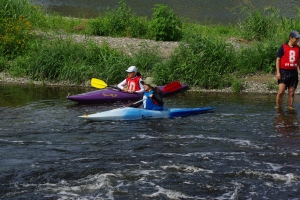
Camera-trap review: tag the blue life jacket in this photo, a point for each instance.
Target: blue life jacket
(149, 103)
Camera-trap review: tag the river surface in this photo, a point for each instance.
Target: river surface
(212, 11)
(245, 149)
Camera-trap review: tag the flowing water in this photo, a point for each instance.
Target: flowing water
(213, 11)
(245, 149)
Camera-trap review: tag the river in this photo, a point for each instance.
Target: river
(212, 11)
(245, 149)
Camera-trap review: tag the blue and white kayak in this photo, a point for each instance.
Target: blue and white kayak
(129, 113)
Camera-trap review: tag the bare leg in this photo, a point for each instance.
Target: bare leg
(291, 94)
(279, 97)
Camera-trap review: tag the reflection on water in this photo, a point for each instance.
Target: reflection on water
(287, 123)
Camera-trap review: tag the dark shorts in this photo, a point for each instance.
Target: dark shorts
(289, 78)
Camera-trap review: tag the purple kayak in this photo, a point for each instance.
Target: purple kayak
(113, 95)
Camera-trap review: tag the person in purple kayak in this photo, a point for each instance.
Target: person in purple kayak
(133, 82)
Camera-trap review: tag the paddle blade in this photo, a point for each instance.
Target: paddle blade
(97, 83)
(172, 87)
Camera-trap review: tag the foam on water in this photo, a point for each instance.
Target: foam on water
(236, 152)
(186, 169)
(169, 193)
(96, 184)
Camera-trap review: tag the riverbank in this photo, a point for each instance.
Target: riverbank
(252, 84)
(265, 83)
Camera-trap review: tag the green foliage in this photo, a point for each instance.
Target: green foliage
(146, 58)
(65, 60)
(61, 60)
(260, 24)
(3, 63)
(258, 58)
(189, 29)
(15, 26)
(138, 27)
(272, 85)
(57, 23)
(206, 57)
(115, 21)
(119, 22)
(237, 85)
(165, 25)
(200, 61)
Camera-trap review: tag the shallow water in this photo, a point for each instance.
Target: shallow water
(213, 11)
(245, 149)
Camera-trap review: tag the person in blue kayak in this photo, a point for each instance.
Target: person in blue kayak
(152, 99)
(133, 82)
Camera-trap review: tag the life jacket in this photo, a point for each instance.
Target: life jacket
(133, 83)
(148, 102)
(290, 58)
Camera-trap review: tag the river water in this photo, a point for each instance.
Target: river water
(213, 11)
(245, 149)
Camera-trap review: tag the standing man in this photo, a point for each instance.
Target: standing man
(287, 64)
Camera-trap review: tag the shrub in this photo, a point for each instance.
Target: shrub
(119, 22)
(259, 58)
(15, 26)
(260, 24)
(165, 25)
(145, 59)
(66, 60)
(201, 61)
(237, 85)
(114, 23)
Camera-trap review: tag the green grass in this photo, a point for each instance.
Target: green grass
(209, 56)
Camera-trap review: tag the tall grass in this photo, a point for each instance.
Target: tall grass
(266, 24)
(15, 27)
(119, 22)
(200, 61)
(165, 25)
(61, 60)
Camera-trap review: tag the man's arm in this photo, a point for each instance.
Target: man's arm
(278, 76)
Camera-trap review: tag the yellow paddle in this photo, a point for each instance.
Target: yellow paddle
(100, 84)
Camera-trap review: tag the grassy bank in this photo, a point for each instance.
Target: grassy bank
(209, 56)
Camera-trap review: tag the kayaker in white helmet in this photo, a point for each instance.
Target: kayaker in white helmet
(133, 81)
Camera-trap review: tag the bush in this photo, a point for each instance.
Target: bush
(61, 60)
(165, 25)
(15, 26)
(260, 24)
(237, 85)
(259, 58)
(66, 60)
(200, 61)
(119, 22)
